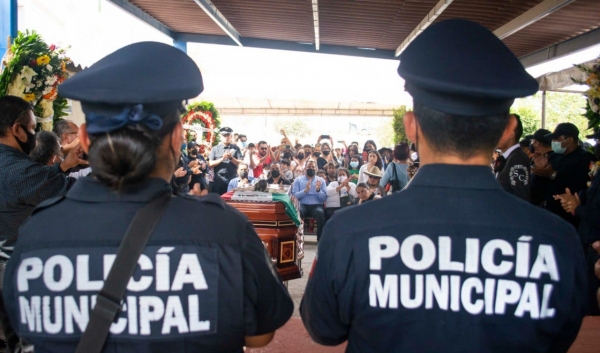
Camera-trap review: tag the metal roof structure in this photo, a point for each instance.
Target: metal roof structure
(535, 30)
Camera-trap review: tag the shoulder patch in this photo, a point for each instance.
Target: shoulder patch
(47, 203)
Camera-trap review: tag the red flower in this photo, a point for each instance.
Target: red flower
(32, 62)
(52, 47)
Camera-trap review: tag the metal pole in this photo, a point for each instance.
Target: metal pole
(8, 24)
(543, 109)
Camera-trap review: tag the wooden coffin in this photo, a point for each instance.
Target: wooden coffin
(277, 231)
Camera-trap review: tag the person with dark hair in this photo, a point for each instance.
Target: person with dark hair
(541, 148)
(452, 263)
(263, 157)
(310, 191)
(365, 193)
(286, 169)
(47, 149)
(397, 172)
(224, 159)
(173, 285)
(354, 167)
(340, 193)
(367, 148)
(68, 134)
(25, 183)
(513, 166)
(374, 160)
(276, 177)
(567, 169)
(243, 179)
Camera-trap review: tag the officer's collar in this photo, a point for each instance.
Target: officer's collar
(89, 189)
(455, 176)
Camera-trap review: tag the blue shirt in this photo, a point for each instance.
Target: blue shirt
(233, 183)
(312, 197)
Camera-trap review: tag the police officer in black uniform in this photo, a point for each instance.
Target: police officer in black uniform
(458, 265)
(224, 159)
(207, 286)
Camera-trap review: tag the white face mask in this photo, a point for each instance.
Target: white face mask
(341, 178)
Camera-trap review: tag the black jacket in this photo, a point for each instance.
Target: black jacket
(514, 177)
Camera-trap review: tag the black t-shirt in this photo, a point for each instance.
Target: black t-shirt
(282, 181)
(199, 287)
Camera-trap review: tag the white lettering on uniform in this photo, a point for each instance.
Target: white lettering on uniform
(49, 326)
(194, 311)
(118, 327)
(163, 269)
(80, 314)
(83, 275)
(508, 292)
(405, 299)
(487, 257)
(189, 271)
(151, 309)
(174, 316)
(545, 311)
(529, 301)
(407, 252)
(145, 281)
(31, 314)
(445, 254)
(434, 289)
(107, 262)
(381, 247)
(66, 273)
(545, 263)
(29, 268)
(472, 256)
(455, 293)
(489, 295)
(471, 307)
(132, 315)
(385, 294)
(522, 269)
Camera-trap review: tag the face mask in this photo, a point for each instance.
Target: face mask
(341, 178)
(27, 146)
(310, 172)
(326, 153)
(243, 175)
(300, 155)
(557, 147)
(414, 156)
(317, 154)
(275, 174)
(243, 143)
(354, 164)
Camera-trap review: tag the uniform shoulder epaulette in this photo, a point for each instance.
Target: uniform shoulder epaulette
(47, 203)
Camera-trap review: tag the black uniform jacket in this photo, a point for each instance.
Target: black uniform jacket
(515, 176)
(589, 212)
(458, 265)
(200, 286)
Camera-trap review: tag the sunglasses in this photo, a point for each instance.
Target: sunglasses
(264, 148)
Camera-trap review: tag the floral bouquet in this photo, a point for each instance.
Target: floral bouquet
(32, 71)
(592, 109)
(206, 117)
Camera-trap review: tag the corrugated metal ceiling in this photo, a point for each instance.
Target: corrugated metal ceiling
(380, 24)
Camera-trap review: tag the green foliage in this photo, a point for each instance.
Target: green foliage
(293, 126)
(60, 105)
(205, 106)
(530, 117)
(398, 125)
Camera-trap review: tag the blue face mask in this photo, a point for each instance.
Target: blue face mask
(243, 143)
(557, 147)
(354, 164)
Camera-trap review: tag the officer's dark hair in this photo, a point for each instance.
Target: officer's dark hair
(128, 155)
(46, 147)
(61, 127)
(518, 128)
(11, 109)
(369, 142)
(262, 143)
(401, 151)
(464, 136)
(524, 143)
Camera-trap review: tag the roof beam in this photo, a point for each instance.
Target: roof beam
(567, 47)
(145, 17)
(287, 45)
(531, 16)
(315, 11)
(428, 20)
(212, 12)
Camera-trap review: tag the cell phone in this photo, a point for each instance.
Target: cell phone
(325, 136)
(288, 146)
(340, 141)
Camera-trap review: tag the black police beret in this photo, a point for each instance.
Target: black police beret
(459, 67)
(146, 72)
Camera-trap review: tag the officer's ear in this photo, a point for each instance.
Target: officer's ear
(509, 129)
(84, 138)
(410, 126)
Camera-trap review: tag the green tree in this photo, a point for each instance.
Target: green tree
(398, 125)
(293, 126)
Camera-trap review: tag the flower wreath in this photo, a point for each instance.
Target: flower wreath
(33, 70)
(207, 116)
(592, 108)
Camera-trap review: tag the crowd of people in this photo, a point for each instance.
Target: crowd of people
(443, 259)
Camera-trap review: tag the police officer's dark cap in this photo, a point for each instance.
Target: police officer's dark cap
(564, 129)
(226, 130)
(192, 144)
(540, 135)
(152, 77)
(461, 68)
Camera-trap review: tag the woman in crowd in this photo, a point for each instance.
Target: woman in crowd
(397, 172)
(326, 156)
(338, 192)
(300, 160)
(350, 152)
(365, 194)
(368, 147)
(374, 176)
(276, 177)
(354, 167)
(374, 160)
